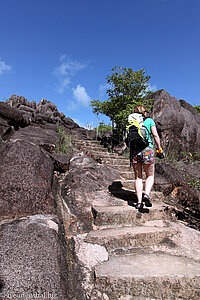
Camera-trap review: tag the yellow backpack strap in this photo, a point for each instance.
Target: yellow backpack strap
(135, 123)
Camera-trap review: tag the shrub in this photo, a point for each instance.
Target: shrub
(64, 142)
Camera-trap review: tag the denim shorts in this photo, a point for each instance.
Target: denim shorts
(146, 156)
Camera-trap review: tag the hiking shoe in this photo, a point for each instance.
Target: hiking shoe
(139, 206)
(147, 201)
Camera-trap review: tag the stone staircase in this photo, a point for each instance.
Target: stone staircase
(148, 249)
(120, 163)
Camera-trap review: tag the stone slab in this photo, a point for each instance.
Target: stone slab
(129, 236)
(143, 265)
(114, 162)
(124, 215)
(130, 195)
(160, 276)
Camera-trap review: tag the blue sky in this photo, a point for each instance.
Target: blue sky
(63, 50)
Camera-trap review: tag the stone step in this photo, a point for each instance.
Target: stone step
(127, 215)
(127, 174)
(149, 276)
(129, 195)
(95, 148)
(128, 183)
(89, 145)
(87, 142)
(114, 161)
(92, 149)
(103, 155)
(127, 238)
(125, 183)
(125, 167)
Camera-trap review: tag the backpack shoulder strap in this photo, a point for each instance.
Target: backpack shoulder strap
(133, 123)
(144, 118)
(147, 130)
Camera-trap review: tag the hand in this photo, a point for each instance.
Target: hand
(160, 153)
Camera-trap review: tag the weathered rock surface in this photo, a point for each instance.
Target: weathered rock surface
(67, 225)
(5, 128)
(16, 101)
(34, 249)
(26, 176)
(45, 113)
(46, 106)
(177, 121)
(84, 180)
(82, 133)
(37, 135)
(172, 182)
(33, 263)
(11, 117)
(61, 162)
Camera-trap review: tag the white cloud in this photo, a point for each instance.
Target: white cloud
(153, 88)
(78, 122)
(81, 96)
(65, 71)
(4, 67)
(68, 67)
(63, 85)
(88, 126)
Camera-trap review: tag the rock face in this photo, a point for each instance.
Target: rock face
(20, 112)
(38, 135)
(61, 162)
(65, 218)
(172, 182)
(33, 258)
(177, 121)
(10, 118)
(26, 175)
(179, 185)
(84, 181)
(33, 249)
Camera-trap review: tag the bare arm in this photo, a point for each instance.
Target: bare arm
(156, 136)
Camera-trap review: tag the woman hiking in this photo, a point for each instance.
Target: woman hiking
(145, 159)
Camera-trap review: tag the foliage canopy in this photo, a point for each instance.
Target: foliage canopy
(126, 90)
(197, 107)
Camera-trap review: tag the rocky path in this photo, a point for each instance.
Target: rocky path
(151, 255)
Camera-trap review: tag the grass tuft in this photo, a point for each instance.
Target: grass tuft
(64, 142)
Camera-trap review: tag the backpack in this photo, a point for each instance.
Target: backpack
(136, 134)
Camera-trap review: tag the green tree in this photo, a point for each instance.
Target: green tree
(126, 90)
(197, 107)
(103, 127)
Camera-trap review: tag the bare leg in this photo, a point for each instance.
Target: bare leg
(149, 171)
(138, 181)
